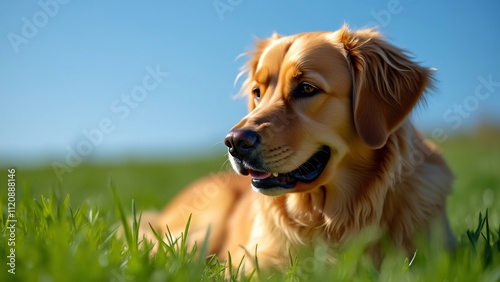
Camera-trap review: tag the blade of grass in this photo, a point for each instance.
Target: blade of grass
(488, 250)
(160, 239)
(135, 224)
(498, 241)
(229, 265)
(475, 235)
(183, 249)
(257, 260)
(122, 216)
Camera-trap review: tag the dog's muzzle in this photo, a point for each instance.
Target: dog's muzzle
(243, 148)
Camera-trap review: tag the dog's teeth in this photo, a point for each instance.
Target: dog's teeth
(275, 174)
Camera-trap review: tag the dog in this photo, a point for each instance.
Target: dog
(326, 151)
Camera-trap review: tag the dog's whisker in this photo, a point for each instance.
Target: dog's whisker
(216, 144)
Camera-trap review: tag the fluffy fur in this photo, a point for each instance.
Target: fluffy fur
(381, 173)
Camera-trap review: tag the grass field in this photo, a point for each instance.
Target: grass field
(64, 231)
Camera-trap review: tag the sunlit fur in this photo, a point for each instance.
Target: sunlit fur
(382, 174)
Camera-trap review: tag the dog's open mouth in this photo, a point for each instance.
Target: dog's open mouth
(306, 173)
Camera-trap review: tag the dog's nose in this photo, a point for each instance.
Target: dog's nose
(241, 142)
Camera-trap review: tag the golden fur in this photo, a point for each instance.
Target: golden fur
(381, 172)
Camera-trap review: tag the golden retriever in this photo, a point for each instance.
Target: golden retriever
(326, 151)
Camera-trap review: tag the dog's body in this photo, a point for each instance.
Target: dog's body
(329, 149)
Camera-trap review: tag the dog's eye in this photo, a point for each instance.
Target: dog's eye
(308, 89)
(305, 89)
(256, 93)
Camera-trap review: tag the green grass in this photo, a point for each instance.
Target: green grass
(66, 231)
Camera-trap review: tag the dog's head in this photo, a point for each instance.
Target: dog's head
(316, 97)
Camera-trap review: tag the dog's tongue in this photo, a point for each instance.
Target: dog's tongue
(259, 174)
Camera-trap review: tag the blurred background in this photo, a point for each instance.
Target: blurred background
(66, 66)
(87, 86)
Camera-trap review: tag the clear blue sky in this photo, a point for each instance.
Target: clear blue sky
(66, 66)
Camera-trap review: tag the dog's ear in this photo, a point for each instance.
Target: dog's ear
(251, 66)
(387, 84)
